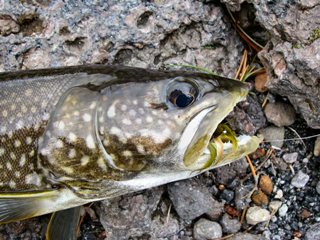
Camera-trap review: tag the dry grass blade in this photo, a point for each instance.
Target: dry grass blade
(242, 63)
(251, 167)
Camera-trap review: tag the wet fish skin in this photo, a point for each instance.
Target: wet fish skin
(73, 135)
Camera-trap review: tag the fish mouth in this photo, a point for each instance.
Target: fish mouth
(215, 144)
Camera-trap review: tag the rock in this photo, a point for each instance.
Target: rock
(266, 185)
(226, 174)
(260, 198)
(191, 199)
(204, 230)
(274, 206)
(130, 215)
(300, 179)
(316, 150)
(274, 135)
(280, 114)
(283, 210)
(230, 225)
(247, 117)
(241, 200)
(246, 236)
(291, 56)
(313, 233)
(318, 187)
(279, 194)
(256, 215)
(8, 25)
(260, 82)
(290, 157)
(227, 195)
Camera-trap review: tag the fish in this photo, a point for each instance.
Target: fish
(74, 135)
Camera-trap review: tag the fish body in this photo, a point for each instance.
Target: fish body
(69, 136)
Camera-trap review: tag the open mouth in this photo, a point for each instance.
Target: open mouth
(225, 146)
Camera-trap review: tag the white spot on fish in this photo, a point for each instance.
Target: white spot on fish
(149, 119)
(116, 131)
(111, 111)
(140, 149)
(101, 119)
(3, 129)
(12, 184)
(101, 163)
(24, 109)
(19, 124)
(17, 143)
(93, 105)
(9, 166)
(44, 151)
(86, 117)
(46, 116)
(28, 92)
(84, 160)
(28, 140)
(61, 125)
(17, 174)
(72, 153)
(90, 142)
(13, 156)
(22, 160)
(67, 170)
(106, 142)
(135, 102)
(59, 143)
(126, 121)
(76, 113)
(141, 111)
(123, 107)
(72, 137)
(31, 153)
(2, 151)
(33, 179)
(127, 153)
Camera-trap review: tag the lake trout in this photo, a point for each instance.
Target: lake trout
(73, 135)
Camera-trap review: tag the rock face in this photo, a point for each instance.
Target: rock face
(36, 34)
(292, 57)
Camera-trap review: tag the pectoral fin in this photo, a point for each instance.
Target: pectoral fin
(63, 224)
(18, 206)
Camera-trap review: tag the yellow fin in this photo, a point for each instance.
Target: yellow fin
(18, 206)
(63, 224)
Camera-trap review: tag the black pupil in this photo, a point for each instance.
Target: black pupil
(183, 100)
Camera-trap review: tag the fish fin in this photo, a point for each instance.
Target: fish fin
(63, 224)
(19, 206)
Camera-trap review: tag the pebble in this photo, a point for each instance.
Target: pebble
(290, 157)
(279, 194)
(318, 187)
(274, 206)
(230, 225)
(204, 229)
(247, 236)
(283, 210)
(280, 113)
(313, 233)
(274, 135)
(227, 195)
(256, 215)
(300, 179)
(316, 150)
(191, 200)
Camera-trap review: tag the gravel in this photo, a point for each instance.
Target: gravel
(283, 210)
(274, 135)
(313, 233)
(205, 230)
(290, 157)
(280, 113)
(256, 215)
(230, 225)
(274, 206)
(300, 179)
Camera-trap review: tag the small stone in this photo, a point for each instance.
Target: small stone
(274, 206)
(266, 184)
(230, 225)
(260, 198)
(205, 229)
(256, 215)
(280, 113)
(313, 233)
(318, 187)
(283, 210)
(227, 195)
(290, 157)
(279, 194)
(260, 82)
(316, 150)
(300, 179)
(274, 135)
(8, 25)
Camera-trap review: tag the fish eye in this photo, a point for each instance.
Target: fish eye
(182, 94)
